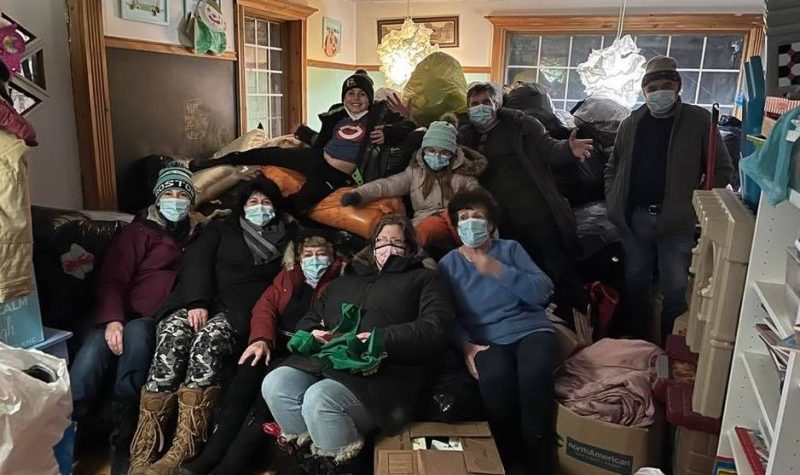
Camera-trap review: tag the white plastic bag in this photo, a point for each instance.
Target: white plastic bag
(33, 414)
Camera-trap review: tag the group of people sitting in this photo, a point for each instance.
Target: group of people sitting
(332, 349)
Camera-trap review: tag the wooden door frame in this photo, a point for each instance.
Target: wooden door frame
(295, 19)
(90, 90)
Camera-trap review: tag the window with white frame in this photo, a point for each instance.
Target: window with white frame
(264, 74)
(709, 64)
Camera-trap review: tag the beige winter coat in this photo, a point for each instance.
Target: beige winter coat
(467, 166)
(16, 237)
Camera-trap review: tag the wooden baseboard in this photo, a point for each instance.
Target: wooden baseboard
(165, 48)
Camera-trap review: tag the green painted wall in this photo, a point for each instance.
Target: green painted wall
(325, 88)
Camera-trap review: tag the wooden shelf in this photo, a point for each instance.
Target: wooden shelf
(766, 386)
(772, 296)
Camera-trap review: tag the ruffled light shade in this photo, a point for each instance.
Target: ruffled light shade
(401, 50)
(615, 72)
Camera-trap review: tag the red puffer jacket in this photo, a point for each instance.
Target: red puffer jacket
(274, 300)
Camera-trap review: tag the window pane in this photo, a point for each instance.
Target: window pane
(275, 83)
(582, 46)
(249, 31)
(263, 83)
(723, 52)
(556, 82)
(554, 51)
(261, 58)
(249, 57)
(250, 80)
(276, 128)
(576, 87)
(652, 45)
(275, 35)
(521, 74)
(262, 32)
(523, 50)
(689, 89)
(275, 110)
(571, 105)
(256, 108)
(609, 40)
(687, 50)
(559, 105)
(252, 124)
(718, 87)
(275, 60)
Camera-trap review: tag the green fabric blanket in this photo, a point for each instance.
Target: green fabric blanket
(345, 351)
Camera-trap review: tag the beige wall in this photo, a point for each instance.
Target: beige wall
(343, 11)
(172, 34)
(55, 173)
(476, 31)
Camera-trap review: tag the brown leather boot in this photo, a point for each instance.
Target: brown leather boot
(194, 418)
(155, 411)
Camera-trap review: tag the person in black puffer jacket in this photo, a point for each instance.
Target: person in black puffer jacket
(205, 320)
(398, 297)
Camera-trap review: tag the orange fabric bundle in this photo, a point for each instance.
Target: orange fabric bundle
(358, 221)
(289, 181)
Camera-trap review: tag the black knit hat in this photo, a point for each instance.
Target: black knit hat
(360, 80)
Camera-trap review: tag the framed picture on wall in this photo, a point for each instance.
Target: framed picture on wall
(331, 37)
(445, 29)
(147, 11)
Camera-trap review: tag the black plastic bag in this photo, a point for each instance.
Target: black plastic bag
(455, 396)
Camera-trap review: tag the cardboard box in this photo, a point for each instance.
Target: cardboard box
(588, 446)
(21, 321)
(694, 452)
(767, 125)
(396, 455)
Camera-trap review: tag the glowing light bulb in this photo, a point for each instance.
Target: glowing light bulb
(401, 50)
(615, 72)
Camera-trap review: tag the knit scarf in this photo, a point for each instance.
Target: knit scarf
(263, 241)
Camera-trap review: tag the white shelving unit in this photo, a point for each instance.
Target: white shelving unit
(755, 399)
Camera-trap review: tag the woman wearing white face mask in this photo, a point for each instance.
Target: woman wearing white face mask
(399, 299)
(508, 342)
(236, 446)
(205, 320)
(353, 135)
(439, 169)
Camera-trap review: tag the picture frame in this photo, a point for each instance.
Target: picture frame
(331, 37)
(155, 12)
(445, 29)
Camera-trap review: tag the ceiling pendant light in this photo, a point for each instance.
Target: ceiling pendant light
(615, 72)
(401, 50)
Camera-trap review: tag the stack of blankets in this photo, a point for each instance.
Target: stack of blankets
(611, 380)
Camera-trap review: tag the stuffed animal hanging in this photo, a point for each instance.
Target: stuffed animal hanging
(206, 27)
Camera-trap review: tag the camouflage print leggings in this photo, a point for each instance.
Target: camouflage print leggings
(185, 356)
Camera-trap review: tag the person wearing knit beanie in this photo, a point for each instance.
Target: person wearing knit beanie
(174, 192)
(359, 80)
(441, 135)
(661, 84)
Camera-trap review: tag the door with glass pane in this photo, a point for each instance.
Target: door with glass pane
(265, 81)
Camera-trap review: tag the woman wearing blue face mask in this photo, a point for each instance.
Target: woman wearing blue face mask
(205, 320)
(236, 446)
(439, 170)
(508, 342)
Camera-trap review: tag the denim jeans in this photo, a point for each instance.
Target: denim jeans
(516, 383)
(672, 254)
(94, 359)
(324, 408)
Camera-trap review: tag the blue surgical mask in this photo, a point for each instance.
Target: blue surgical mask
(436, 161)
(473, 231)
(661, 101)
(174, 209)
(259, 214)
(481, 114)
(314, 267)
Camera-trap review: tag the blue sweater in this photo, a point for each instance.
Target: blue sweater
(499, 310)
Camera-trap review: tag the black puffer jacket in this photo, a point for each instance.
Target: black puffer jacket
(537, 152)
(413, 308)
(218, 273)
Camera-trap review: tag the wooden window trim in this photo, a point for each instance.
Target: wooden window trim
(294, 18)
(751, 26)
